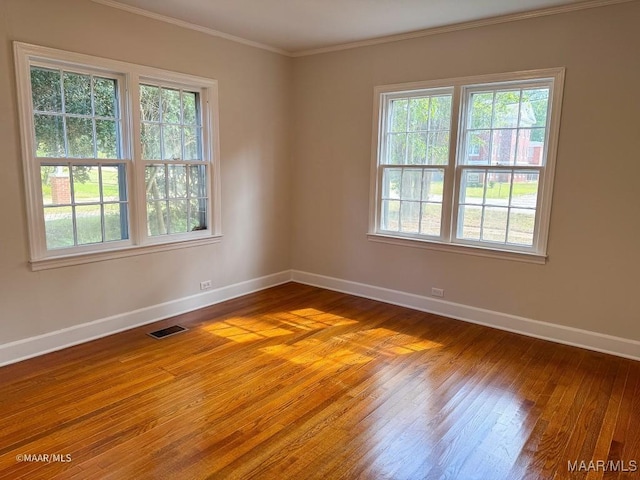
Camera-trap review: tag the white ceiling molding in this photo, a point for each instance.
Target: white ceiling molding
(514, 17)
(543, 12)
(191, 26)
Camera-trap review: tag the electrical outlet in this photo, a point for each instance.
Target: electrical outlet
(437, 292)
(206, 285)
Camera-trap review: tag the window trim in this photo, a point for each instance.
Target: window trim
(131, 75)
(448, 242)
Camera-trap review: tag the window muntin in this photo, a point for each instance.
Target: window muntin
(75, 115)
(176, 198)
(176, 189)
(84, 204)
(85, 176)
(171, 128)
(491, 186)
(501, 162)
(415, 147)
(77, 128)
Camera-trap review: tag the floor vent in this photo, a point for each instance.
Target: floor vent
(165, 332)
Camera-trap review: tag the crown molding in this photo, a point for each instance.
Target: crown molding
(514, 17)
(191, 26)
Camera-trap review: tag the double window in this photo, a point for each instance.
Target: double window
(118, 157)
(467, 164)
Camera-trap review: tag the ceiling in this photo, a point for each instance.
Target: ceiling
(295, 26)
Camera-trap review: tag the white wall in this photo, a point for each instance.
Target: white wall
(591, 279)
(254, 87)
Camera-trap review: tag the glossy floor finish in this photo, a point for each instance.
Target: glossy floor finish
(296, 382)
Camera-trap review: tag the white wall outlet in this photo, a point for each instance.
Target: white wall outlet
(206, 285)
(437, 292)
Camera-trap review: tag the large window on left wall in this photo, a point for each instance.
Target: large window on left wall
(119, 159)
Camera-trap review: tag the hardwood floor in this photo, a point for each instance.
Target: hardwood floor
(296, 382)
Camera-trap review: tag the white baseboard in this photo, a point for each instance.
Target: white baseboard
(31, 347)
(576, 337)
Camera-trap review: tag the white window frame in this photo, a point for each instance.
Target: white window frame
(453, 170)
(129, 76)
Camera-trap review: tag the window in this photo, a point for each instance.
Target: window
(467, 164)
(118, 158)
(176, 188)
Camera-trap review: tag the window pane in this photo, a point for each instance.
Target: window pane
(431, 219)
(150, 138)
(396, 148)
(56, 185)
(189, 112)
(472, 187)
(157, 218)
(179, 219)
(197, 215)
(149, 103)
(107, 139)
(172, 142)
(192, 143)
(418, 114)
(170, 106)
(535, 104)
(115, 222)
(417, 153)
(77, 93)
(86, 184)
(494, 224)
(398, 119)
(89, 224)
(391, 183)
(530, 146)
(49, 136)
(198, 185)
(438, 150)
(521, 226)
(46, 90)
(440, 113)
(411, 184)
(525, 189)
(114, 183)
(498, 188)
(432, 185)
(503, 148)
(390, 215)
(478, 147)
(506, 109)
(177, 181)
(58, 224)
(469, 222)
(80, 137)
(481, 110)
(104, 92)
(155, 181)
(410, 217)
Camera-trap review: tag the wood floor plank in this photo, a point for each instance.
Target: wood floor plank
(299, 382)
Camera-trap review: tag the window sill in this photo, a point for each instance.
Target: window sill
(79, 259)
(463, 249)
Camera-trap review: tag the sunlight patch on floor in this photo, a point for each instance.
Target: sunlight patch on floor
(351, 348)
(314, 352)
(311, 319)
(243, 330)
